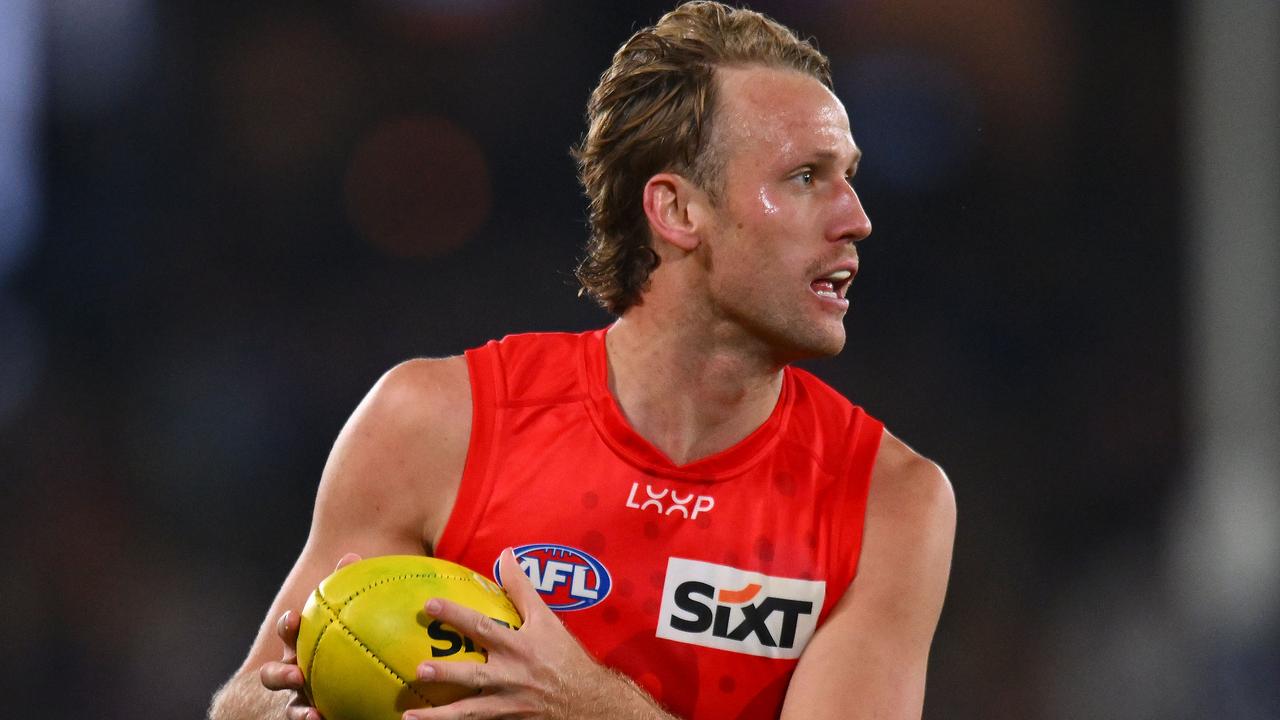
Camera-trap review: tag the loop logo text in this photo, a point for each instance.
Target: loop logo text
(669, 502)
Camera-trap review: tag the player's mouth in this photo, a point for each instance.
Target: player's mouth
(834, 285)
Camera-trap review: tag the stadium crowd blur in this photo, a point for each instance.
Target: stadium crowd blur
(222, 221)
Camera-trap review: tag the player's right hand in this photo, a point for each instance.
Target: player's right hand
(285, 674)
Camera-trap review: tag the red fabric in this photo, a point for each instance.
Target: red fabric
(553, 460)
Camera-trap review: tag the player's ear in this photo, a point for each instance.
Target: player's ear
(673, 206)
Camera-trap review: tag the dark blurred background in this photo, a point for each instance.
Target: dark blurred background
(221, 222)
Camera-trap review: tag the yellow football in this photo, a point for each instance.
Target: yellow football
(364, 632)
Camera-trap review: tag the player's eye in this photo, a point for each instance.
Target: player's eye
(805, 177)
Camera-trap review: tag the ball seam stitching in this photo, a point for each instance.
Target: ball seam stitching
(315, 647)
(394, 578)
(337, 619)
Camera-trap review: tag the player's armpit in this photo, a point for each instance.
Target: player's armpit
(869, 658)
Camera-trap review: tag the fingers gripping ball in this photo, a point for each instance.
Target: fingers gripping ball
(364, 632)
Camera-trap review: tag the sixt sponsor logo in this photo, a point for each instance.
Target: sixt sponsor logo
(566, 578)
(723, 607)
(669, 502)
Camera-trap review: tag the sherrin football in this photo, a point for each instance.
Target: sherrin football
(364, 632)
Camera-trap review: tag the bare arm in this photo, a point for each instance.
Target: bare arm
(387, 488)
(869, 658)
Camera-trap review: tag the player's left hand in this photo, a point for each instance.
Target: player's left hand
(538, 671)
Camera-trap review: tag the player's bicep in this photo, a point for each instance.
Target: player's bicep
(868, 660)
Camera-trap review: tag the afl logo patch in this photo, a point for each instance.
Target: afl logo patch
(566, 578)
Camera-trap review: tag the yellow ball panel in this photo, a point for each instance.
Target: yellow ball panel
(364, 633)
(381, 695)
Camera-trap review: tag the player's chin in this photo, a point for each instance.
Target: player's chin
(826, 334)
(824, 339)
(831, 345)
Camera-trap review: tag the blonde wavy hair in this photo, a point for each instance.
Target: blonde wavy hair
(653, 112)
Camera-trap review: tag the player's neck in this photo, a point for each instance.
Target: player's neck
(687, 392)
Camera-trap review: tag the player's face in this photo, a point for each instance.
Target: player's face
(782, 253)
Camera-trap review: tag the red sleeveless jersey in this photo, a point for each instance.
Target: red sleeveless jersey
(702, 582)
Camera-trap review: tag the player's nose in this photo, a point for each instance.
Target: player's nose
(851, 222)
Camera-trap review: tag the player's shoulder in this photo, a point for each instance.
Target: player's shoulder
(910, 486)
(421, 386)
(407, 438)
(412, 378)
(414, 405)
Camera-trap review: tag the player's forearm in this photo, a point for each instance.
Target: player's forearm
(244, 698)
